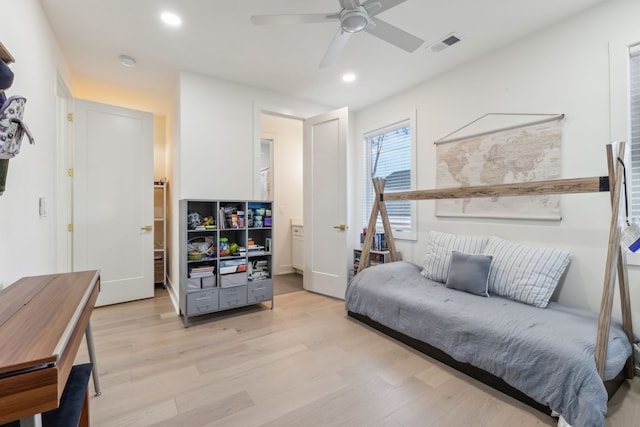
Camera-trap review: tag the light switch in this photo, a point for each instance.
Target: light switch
(42, 207)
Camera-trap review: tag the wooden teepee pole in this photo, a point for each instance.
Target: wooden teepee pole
(391, 245)
(616, 263)
(623, 277)
(371, 230)
(378, 207)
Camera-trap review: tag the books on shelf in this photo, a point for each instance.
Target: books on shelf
(258, 270)
(199, 275)
(379, 242)
(203, 271)
(233, 266)
(255, 250)
(230, 217)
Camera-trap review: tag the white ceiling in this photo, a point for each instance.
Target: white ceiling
(218, 39)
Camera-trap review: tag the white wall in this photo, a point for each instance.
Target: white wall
(564, 69)
(27, 242)
(159, 148)
(286, 134)
(173, 173)
(216, 135)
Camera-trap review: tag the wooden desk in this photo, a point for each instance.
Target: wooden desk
(42, 321)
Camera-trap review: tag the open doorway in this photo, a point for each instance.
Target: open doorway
(266, 160)
(281, 179)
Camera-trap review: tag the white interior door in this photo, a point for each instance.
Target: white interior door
(325, 208)
(113, 199)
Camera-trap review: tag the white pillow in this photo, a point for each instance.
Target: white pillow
(437, 259)
(525, 274)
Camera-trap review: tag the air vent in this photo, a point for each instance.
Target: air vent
(446, 42)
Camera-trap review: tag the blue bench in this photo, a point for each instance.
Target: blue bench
(74, 402)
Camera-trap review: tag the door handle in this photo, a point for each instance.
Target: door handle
(147, 228)
(340, 227)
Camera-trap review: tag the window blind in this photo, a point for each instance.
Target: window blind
(389, 156)
(634, 120)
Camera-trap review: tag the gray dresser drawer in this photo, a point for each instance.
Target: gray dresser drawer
(202, 302)
(260, 290)
(233, 297)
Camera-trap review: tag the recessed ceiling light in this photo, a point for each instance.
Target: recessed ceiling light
(349, 77)
(127, 61)
(171, 18)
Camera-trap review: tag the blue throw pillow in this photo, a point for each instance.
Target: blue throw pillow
(469, 273)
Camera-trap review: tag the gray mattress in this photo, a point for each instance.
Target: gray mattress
(548, 354)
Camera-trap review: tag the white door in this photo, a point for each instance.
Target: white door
(325, 208)
(113, 199)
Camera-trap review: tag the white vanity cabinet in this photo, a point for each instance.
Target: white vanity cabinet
(297, 246)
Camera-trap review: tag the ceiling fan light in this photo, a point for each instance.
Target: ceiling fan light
(171, 19)
(354, 21)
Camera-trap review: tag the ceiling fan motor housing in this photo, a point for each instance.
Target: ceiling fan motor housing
(353, 21)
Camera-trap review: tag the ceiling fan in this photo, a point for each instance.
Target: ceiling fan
(353, 17)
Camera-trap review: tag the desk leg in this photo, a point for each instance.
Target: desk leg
(33, 421)
(92, 359)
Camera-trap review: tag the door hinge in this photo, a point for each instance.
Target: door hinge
(70, 228)
(70, 117)
(70, 172)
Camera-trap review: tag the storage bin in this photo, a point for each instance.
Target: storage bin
(235, 279)
(209, 282)
(194, 283)
(158, 271)
(228, 269)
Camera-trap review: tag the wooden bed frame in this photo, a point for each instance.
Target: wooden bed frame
(616, 263)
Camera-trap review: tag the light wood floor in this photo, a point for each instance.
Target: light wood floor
(302, 364)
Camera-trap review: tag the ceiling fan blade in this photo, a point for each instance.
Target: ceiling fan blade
(394, 35)
(382, 5)
(336, 46)
(294, 19)
(349, 4)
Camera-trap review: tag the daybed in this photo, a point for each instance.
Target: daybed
(483, 306)
(546, 353)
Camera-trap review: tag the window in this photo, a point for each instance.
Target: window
(389, 154)
(634, 130)
(624, 104)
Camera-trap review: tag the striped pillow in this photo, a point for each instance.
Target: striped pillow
(439, 247)
(525, 274)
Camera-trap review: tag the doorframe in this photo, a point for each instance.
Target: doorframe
(259, 136)
(258, 109)
(263, 108)
(64, 180)
(270, 139)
